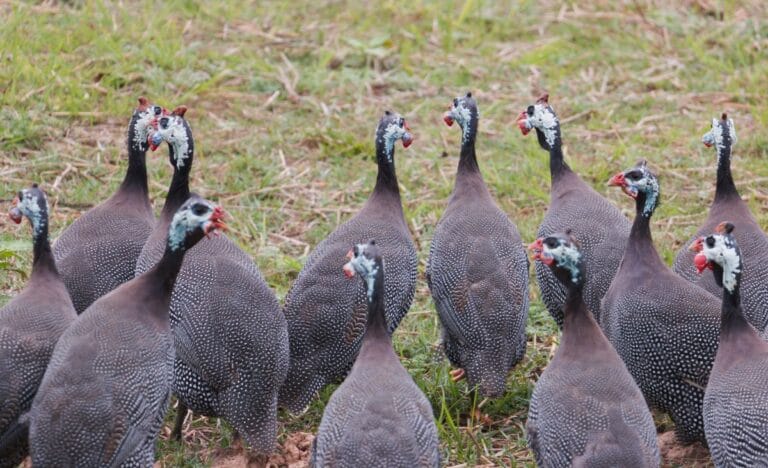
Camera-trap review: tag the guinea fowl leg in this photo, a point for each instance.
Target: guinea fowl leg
(457, 374)
(181, 414)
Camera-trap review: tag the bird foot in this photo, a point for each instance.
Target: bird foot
(457, 374)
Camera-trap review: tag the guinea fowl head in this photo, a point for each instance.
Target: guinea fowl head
(32, 204)
(722, 135)
(639, 181)
(365, 260)
(720, 253)
(464, 112)
(543, 119)
(143, 122)
(392, 127)
(560, 252)
(196, 218)
(174, 129)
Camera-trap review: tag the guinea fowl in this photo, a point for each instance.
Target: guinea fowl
(663, 327)
(736, 399)
(378, 416)
(231, 339)
(98, 252)
(478, 272)
(752, 241)
(327, 315)
(30, 324)
(585, 410)
(105, 393)
(574, 205)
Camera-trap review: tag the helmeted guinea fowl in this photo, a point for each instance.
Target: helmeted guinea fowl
(98, 252)
(736, 399)
(597, 223)
(106, 390)
(231, 339)
(378, 417)
(30, 325)
(752, 240)
(327, 315)
(663, 327)
(585, 410)
(478, 272)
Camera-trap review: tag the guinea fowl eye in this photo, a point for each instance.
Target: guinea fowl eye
(401, 122)
(455, 102)
(199, 209)
(530, 110)
(356, 251)
(710, 241)
(164, 122)
(158, 110)
(551, 242)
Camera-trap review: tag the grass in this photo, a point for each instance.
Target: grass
(284, 97)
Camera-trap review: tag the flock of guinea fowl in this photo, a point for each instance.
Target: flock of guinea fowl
(125, 309)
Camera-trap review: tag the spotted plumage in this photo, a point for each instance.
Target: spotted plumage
(663, 327)
(230, 337)
(106, 390)
(585, 409)
(751, 238)
(736, 399)
(378, 417)
(326, 313)
(98, 252)
(478, 272)
(574, 205)
(30, 325)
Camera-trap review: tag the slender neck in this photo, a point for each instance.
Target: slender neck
(136, 175)
(164, 273)
(468, 158)
(725, 187)
(42, 257)
(578, 323)
(557, 165)
(386, 179)
(376, 327)
(640, 243)
(178, 192)
(732, 317)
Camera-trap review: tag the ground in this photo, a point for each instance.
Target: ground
(283, 98)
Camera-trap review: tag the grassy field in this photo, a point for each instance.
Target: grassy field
(284, 97)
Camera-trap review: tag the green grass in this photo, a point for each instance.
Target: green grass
(284, 96)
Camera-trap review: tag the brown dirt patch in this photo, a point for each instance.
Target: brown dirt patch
(673, 453)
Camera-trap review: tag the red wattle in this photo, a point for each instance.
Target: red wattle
(448, 119)
(701, 263)
(617, 180)
(522, 123)
(349, 272)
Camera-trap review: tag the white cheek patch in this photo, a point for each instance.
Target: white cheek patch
(29, 207)
(183, 222)
(566, 257)
(142, 127)
(365, 267)
(724, 254)
(176, 136)
(392, 133)
(463, 116)
(650, 186)
(546, 121)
